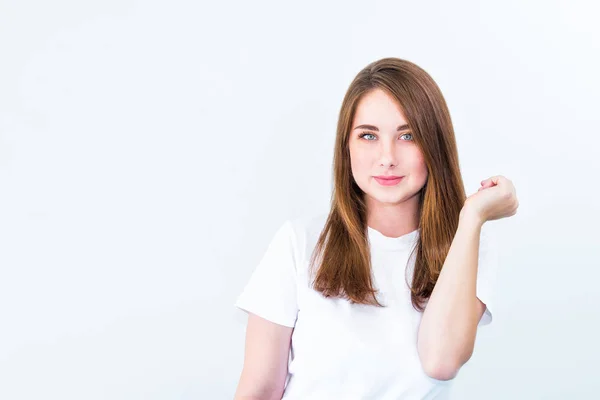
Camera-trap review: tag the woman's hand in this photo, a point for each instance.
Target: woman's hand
(495, 199)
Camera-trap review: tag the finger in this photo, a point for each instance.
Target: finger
(486, 183)
(491, 181)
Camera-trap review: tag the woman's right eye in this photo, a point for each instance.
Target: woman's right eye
(365, 134)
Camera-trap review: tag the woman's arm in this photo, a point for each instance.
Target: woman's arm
(449, 323)
(265, 360)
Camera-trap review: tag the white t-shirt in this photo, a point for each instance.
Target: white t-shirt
(351, 351)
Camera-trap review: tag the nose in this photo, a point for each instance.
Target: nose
(388, 155)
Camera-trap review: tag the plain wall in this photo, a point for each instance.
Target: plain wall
(149, 151)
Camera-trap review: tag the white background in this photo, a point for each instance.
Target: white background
(149, 151)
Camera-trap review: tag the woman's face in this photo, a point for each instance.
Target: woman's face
(382, 149)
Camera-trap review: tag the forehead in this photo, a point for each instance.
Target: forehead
(378, 108)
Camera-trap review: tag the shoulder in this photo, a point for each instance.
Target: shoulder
(308, 223)
(305, 230)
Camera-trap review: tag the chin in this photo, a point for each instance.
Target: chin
(390, 198)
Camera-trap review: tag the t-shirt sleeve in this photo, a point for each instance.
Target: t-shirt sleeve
(271, 291)
(486, 273)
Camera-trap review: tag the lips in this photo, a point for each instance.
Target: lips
(388, 180)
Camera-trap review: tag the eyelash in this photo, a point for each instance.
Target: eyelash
(368, 133)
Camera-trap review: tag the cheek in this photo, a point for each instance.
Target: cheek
(420, 168)
(417, 165)
(359, 160)
(363, 170)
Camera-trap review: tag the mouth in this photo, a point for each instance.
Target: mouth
(388, 180)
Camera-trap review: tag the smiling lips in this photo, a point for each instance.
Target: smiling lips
(390, 180)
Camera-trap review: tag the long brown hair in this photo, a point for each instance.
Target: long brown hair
(342, 248)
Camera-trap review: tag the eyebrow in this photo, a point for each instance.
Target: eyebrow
(374, 128)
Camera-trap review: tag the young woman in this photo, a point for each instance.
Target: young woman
(380, 297)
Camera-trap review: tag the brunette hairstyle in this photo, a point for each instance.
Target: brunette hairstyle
(343, 247)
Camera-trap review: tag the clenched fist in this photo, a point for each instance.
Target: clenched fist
(495, 199)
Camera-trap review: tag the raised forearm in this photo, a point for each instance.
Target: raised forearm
(446, 335)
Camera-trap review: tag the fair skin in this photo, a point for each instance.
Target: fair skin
(265, 360)
(381, 149)
(449, 323)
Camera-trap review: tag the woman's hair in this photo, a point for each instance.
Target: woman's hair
(343, 247)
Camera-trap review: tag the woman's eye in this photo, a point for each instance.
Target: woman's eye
(366, 134)
(370, 134)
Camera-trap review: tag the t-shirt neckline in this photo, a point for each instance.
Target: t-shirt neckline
(379, 240)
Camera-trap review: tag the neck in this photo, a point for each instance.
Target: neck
(391, 219)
